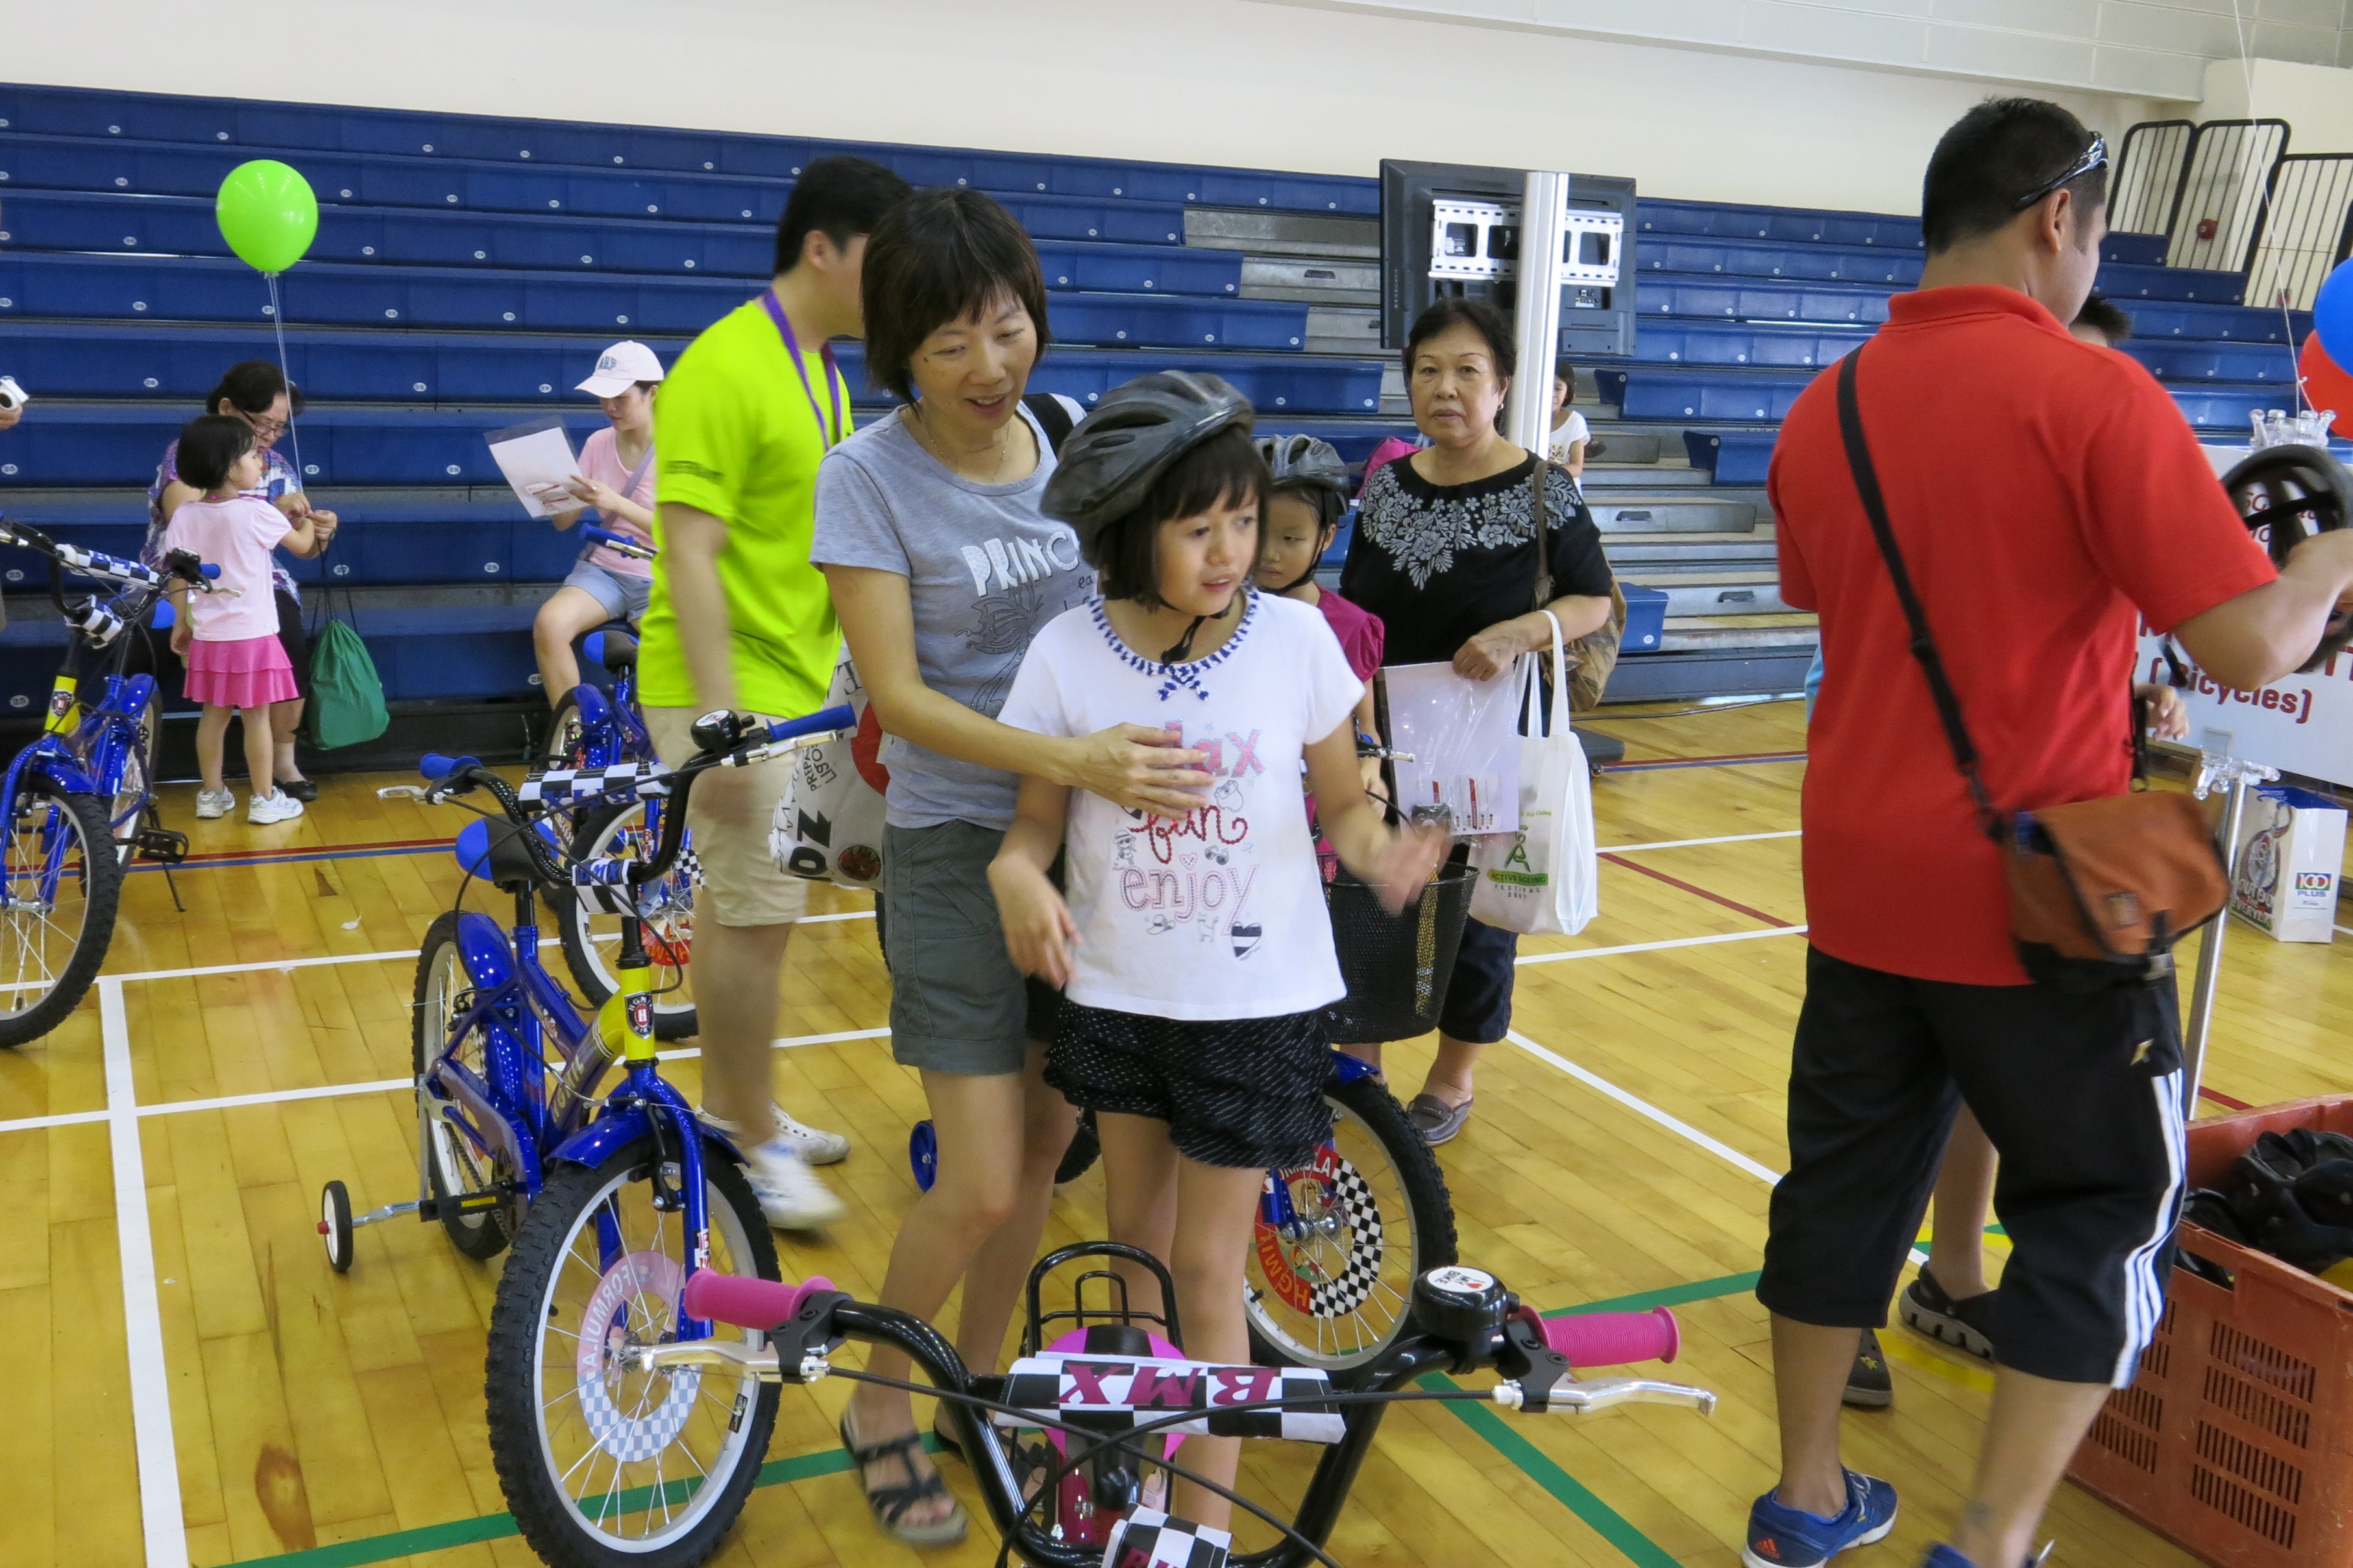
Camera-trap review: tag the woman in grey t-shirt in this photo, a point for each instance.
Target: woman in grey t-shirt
(942, 570)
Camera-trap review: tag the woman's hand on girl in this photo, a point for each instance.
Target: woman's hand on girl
(1039, 931)
(1137, 768)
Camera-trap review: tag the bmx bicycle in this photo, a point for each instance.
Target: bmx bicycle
(78, 803)
(610, 1205)
(1111, 1393)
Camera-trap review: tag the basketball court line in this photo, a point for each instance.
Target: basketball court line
(1688, 843)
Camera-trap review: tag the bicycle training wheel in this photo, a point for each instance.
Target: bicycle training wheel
(59, 881)
(603, 1466)
(1339, 1242)
(453, 1166)
(592, 938)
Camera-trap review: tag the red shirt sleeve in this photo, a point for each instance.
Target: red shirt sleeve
(1797, 582)
(2155, 518)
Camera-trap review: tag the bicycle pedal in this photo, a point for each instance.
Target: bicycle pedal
(163, 844)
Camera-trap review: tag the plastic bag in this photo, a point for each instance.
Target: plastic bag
(1460, 740)
(829, 825)
(1546, 879)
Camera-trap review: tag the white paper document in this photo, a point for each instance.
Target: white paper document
(537, 459)
(1465, 744)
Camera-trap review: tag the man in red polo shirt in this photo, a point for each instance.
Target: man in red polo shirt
(2043, 492)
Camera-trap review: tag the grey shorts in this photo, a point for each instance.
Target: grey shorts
(624, 597)
(958, 1005)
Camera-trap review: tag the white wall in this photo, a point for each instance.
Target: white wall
(2156, 46)
(1221, 81)
(2316, 101)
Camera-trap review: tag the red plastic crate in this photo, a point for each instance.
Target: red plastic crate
(2236, 1438)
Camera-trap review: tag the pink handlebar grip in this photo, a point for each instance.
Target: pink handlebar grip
(1610, 1339)
(747, 1303)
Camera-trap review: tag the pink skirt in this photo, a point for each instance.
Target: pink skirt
(250, 672)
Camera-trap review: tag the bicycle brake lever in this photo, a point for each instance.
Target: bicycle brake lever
(1585, 1398)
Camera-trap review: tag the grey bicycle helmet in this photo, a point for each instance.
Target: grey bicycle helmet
(1121, 447)
(1304, 461)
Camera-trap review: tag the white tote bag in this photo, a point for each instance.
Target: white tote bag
(829, 825)
(1544, 880)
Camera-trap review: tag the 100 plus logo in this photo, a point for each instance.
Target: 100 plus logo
(2314, 884)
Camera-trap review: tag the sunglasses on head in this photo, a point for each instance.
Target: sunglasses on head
(2095, 156)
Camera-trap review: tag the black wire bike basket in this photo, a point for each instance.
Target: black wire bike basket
(1396, 966)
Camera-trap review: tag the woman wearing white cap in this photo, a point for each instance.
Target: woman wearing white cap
(616, 469)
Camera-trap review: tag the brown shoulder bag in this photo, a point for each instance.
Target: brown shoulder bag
(1592, 657)
(2100, 890)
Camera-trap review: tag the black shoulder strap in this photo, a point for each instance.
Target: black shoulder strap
(1051, 417)
(1540, 514)
(1923, 646)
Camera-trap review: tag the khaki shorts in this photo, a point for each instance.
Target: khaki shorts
(741, 884)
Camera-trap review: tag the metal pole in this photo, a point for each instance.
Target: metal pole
(2215, 770)
(1535, 327)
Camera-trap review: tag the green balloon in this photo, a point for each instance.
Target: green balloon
(266, 214)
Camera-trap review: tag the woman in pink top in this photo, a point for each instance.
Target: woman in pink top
(616, 469)
(229, 636)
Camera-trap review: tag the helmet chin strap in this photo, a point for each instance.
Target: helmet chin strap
(1183, 648)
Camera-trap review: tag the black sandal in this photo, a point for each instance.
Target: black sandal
(890, 1504)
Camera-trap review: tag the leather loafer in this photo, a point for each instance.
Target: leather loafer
(304, 790)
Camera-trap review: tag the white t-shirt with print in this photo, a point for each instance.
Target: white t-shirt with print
(1220, 915)
(1570, 431)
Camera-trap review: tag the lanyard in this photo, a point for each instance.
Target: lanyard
(830, 435)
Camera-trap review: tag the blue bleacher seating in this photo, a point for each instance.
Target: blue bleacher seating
(187, 226)
(1804, 224)
(2174, 360)
(248, 125)
(1682, 342)
(2135, 249)
(185, 288)
(1731, 456)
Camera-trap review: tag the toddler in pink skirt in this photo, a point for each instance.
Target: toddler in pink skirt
(229, 636)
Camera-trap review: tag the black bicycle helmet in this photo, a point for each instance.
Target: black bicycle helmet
(2292, 493)
(1304, 461)
(1143, 426)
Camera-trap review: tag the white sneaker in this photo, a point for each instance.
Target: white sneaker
(211, 803)
(791, 1194)
(275, 807)
(816, 1146)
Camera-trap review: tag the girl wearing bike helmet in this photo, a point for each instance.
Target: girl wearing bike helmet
(1303, 504)
(1194, 956)
(942, 568)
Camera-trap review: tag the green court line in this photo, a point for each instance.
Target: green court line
(1566, 1489)
(1563, 1488)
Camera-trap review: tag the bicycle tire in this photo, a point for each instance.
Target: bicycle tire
(451, 1169)
(40, 808)
(531, 1436)
(559, 745)
(1365, 1209)
(674, 1011)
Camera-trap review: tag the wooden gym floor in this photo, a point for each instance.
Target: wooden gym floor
(192, 1384)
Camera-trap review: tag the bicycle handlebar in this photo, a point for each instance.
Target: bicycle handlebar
(1613, 1339)
(745, 1302)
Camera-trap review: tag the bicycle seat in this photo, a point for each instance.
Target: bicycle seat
(616, 651)
(491, 848)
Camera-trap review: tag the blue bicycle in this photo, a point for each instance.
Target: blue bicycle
(594, 728)
(610, 1205)
(79, 802)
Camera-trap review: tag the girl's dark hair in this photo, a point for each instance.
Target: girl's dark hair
(1225, 470)
(935, 259)
(1323, 498)
(209, 446)
(1476, 314)
(253, 385)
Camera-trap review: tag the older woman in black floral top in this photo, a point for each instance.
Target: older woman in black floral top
(1445, 553)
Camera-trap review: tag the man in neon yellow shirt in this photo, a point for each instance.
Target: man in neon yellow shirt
(740, 620)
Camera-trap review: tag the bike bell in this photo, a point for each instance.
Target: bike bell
(1460, 1303)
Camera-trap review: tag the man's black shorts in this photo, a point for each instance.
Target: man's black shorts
(2081, 1097)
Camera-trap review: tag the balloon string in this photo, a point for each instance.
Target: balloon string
(278, 324)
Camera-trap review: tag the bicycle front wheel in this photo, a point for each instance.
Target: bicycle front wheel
(603, 1466)
(59, 881)
(591, 937)
(1339, 1242)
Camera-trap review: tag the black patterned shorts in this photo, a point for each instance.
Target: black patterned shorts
(1238, 1093)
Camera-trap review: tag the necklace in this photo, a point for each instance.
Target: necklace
(938, 447)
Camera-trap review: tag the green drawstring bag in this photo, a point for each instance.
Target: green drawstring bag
(346, 705)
